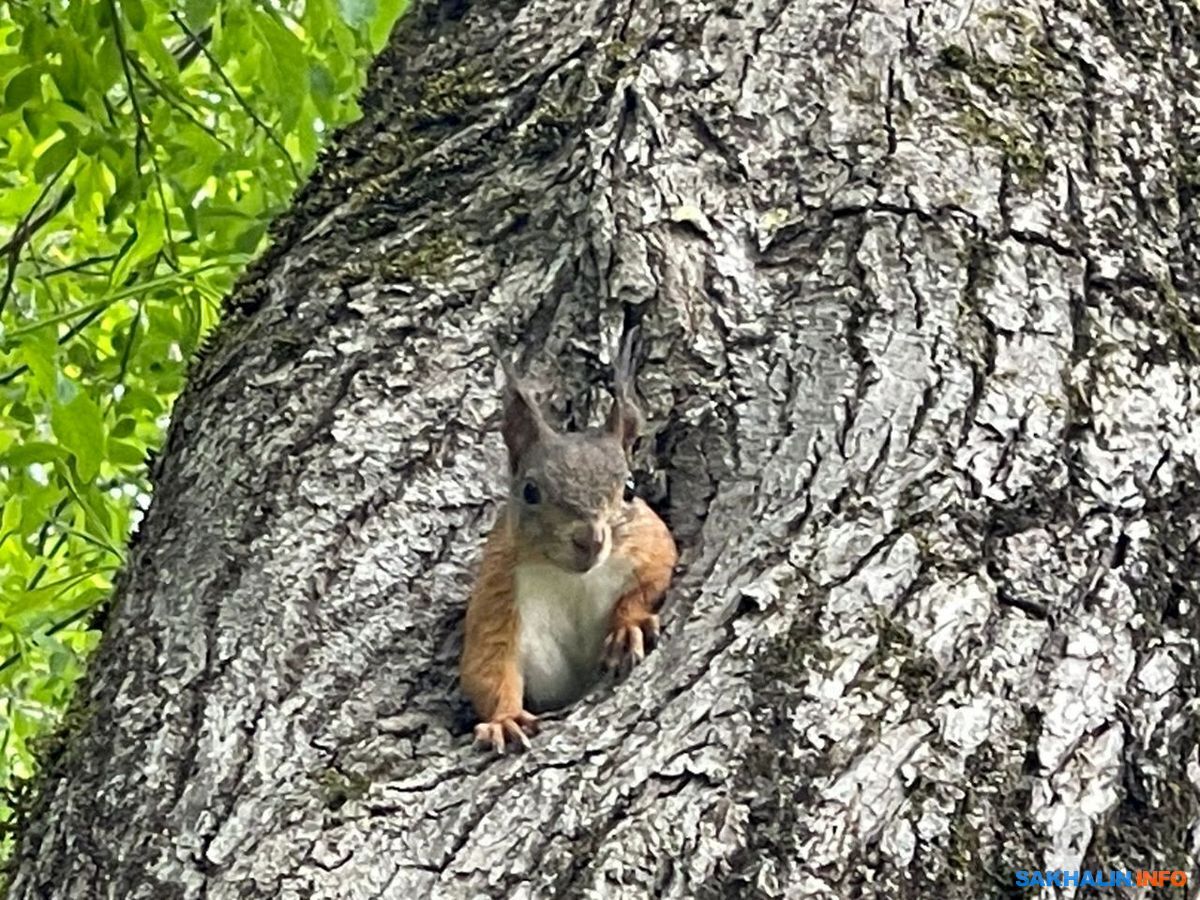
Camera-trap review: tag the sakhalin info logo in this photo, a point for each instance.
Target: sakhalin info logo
(1100, 878)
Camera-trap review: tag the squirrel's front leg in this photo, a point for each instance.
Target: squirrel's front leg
(634, 630)
(489, 669)
(644, 540)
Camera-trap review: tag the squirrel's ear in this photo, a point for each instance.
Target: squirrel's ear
(625, 419)
(523, 425)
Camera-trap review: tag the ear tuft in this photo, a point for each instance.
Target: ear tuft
(625, 422)
(625, 419)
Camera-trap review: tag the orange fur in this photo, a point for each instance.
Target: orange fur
(488, 668)
(489, 673)
(644, 539)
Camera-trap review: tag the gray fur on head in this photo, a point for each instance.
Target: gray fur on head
(579, 472)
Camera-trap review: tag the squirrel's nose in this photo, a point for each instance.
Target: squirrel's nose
(588, 539)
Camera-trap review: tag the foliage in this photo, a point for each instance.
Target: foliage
(146, 147)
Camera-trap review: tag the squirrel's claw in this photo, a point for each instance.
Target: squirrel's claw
(503, 730)
(627, 643)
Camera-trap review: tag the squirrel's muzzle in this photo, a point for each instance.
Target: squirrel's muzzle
(588, 542)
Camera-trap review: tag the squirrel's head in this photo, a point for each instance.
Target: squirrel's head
(567, 491)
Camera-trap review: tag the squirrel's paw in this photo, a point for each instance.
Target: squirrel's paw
(504, 730)
(628, 641)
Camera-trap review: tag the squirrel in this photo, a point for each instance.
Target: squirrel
(573, 572)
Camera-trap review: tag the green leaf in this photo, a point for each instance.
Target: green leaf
(73, 73)
(54, 158)
(322, 87)
(249, 239)
(79, 427)
(22, 87)
(135, 13)
(33, 452)
(62, 663)
(126, 454)
(141, 402)
(149, 241)
(356, 12)
(124, 428)
(12, 516)
(199, 13)
(62, 115)
(381, 26)
(38, 351)
(285, 54)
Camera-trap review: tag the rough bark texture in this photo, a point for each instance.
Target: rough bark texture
(918, 286)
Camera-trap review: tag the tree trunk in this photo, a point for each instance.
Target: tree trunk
(917, 284)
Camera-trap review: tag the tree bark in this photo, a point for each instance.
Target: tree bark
(917, 284)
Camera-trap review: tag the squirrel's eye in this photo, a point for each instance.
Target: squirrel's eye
(531, 494)
(630, 489)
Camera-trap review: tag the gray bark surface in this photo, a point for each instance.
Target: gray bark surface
(917, 284)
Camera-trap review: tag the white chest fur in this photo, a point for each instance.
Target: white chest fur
(564, 618)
